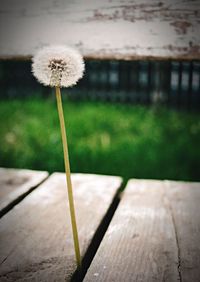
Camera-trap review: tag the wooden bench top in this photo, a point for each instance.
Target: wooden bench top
(15, 183)
(118, 29)
(153, 236)
(35, 236)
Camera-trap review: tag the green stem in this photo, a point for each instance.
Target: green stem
(68, 176)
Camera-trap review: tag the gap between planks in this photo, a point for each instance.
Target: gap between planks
(153, 236)
(32, 212)
(99, 234)
(16, 184)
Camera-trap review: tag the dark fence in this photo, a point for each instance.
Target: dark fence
(173, 83)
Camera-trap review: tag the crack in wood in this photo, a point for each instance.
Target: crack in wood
(177, 243)
(169, 208)
(7, 257)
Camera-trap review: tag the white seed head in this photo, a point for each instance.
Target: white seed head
(58, 66)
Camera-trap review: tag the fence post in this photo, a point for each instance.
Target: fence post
(161, 82)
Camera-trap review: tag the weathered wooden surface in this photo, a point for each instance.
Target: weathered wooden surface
(153, 236)
(102, 29)
(14, 183)
(35, 237)
(184, 202)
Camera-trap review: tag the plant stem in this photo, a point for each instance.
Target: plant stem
(68, 176)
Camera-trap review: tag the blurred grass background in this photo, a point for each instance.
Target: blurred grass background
(131, 141)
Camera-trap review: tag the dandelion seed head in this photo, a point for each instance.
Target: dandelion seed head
(58, 66)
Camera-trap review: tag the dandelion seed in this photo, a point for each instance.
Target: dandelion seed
(61, 66)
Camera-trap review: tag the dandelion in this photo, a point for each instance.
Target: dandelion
(61, 66)
(58, 66)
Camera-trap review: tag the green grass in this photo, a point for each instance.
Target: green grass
(126, 140)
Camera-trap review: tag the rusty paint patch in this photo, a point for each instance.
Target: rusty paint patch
(195, 50)
(181, 27)
(146, 11)
(126, 12)
(185, 51)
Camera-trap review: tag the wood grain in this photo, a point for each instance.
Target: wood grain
(184, 202)
(140, 243)
(14, 183)
(35, 237)
(129, 30)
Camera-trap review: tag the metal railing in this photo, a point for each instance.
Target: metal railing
(173, 83)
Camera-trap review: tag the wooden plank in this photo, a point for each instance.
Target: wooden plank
(15, 183)
(35, 237)
(184, 202)
(140, 243)
(102, 29)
